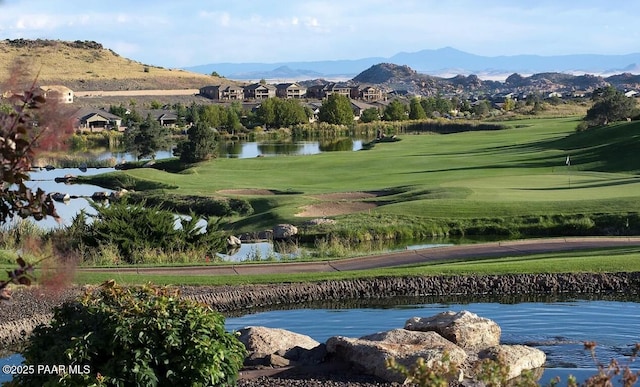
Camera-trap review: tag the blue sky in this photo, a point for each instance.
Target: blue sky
(193, 32)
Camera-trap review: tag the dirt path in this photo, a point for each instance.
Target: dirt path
(132, 93)
(401, 258)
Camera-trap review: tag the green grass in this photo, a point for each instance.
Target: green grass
(519, 171)
(625, 259)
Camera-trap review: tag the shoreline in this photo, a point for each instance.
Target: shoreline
(32, 306)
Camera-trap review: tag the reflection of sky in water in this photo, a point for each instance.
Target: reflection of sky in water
(253, 251)
(255, 149)
(67, 210)
(126, 156)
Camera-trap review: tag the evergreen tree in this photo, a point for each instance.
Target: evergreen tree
(416, 112)
(147, 138)
(200, 145)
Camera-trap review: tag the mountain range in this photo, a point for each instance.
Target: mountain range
(440, 62)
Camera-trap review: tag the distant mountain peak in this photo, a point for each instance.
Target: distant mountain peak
(383, 72)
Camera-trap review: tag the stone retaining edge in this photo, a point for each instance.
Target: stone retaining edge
(240, 298)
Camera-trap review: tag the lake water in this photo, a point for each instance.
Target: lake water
(557, 328)
(251, 149)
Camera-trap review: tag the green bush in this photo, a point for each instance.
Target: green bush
(140, 336)
(135, 227)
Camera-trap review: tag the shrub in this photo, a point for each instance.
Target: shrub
(144, 335)
(135, 227)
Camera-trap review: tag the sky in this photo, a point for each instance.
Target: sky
(195, 32)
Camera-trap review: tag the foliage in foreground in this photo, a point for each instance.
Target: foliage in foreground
(25, 118)
(140, 336)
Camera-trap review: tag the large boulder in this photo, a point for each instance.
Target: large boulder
(517, 357)
(269, 346)
(466, 329)
(284, 231)
(370, 353)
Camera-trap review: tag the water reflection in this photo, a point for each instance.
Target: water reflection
(241, 149)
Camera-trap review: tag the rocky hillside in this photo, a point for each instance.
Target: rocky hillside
(87, 65)
(397, 77)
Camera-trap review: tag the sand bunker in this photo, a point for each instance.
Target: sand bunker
(334, 208)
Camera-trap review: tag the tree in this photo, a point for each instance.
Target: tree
(147, 138)
(610, 105)
(201, 144)
(482, 108)
(370, 115)
(336, 109)
(27, 121)
(416, 112)
(443, 105)
(509, 104)
(281, 113)
(428, 105)
(289, 112)
(395, 111)
(266, 112)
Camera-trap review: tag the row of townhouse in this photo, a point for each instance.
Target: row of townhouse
(259, 91)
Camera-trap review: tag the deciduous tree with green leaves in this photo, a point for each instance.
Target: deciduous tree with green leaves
(610, 105)
(370, 115)
(395, 111)
(336, 109)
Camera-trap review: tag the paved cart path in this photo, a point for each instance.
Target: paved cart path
(399, 258)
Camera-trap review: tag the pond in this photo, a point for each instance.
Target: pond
(557, 328)
(250, 149)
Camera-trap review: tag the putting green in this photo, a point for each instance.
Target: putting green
(552, 187)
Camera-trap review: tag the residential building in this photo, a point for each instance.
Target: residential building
(358, 107)
(290, 90)
(96, 120)
(367, 93)
(259, 91)
(163, 116)
(223, 92)
(62, 93)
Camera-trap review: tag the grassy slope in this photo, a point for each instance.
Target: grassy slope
(519, 171)
(94, 69)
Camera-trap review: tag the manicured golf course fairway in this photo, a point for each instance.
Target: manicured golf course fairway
(519, 171)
